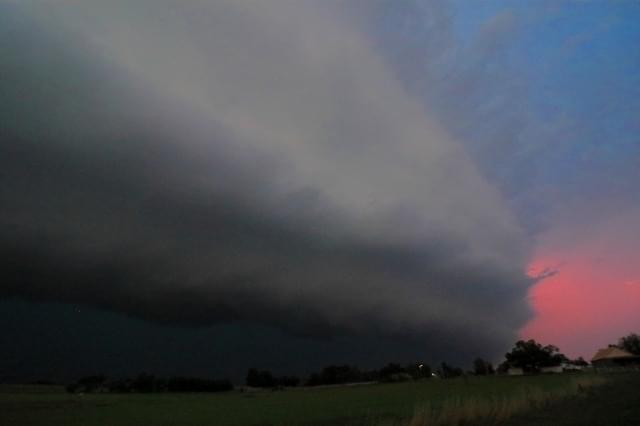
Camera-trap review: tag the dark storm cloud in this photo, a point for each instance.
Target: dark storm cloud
(197, 163)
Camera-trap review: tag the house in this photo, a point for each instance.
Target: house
(613, 356)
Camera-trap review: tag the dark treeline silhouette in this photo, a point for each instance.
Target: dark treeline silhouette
(528, 355)
(447, 371)
(264, 379)
(482, 367)
(340, 374)
(147, 383)
(330, 375)
(580, 362)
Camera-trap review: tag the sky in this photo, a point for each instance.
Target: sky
(202, 187)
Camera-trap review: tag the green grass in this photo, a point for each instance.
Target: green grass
(363, 405)
(616, 403)
(495, 409)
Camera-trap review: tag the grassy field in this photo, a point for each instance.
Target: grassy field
(616, 403)
(414, 403)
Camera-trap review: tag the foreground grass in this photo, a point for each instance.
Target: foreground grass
(616, 403)
(424, 403)
(494, 409)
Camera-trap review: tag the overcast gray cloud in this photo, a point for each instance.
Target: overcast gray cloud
(190, 162)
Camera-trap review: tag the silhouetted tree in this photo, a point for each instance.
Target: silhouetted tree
(630, 343)
(580, 361)
(338, 374)
(145, 383)
(396, 373)
(314, 380)
(260, 379)
(191, 384)
(120, 386)
(503, 367)
(391, 369)
(87, 384)
(482, 367)
(531, 356)
(447, 371)
(418, 371)
(288, 381)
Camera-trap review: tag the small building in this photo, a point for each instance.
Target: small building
(569, 366)
(513, 371)
(555, 369)
(613, 356)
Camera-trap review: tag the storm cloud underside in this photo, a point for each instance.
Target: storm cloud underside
(196, 163)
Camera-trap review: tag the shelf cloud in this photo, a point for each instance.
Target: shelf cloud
(195, 163)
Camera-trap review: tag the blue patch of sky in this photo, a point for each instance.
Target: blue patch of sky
(549, 108)
(581, 63)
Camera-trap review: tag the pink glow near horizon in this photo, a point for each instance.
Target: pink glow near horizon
(594, 296)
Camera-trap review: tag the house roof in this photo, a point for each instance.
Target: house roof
(611, 353)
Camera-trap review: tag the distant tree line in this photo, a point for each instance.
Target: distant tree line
(147, 383)
(265, 379)
(528, 355)
(330, 375)
(340, 374)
